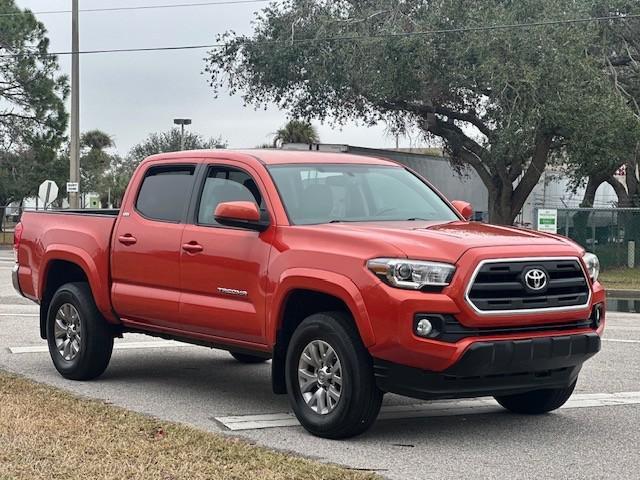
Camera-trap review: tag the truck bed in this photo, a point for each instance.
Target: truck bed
(82, 237)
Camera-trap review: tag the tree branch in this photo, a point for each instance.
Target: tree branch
(466, 117)
(534, 170)
(465, 148)
(424, 110)
(624, 200)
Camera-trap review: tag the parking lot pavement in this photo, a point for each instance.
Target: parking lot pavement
(595, 436)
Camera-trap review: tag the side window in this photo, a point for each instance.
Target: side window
(165, 192)
(225, 184)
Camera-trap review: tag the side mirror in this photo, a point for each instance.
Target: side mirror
(464, 208)
(241, 215)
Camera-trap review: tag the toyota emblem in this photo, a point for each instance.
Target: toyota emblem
(536, 279)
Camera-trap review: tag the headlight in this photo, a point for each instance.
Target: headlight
(412, 274)
(593, 265)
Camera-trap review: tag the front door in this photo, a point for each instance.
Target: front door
(223, 268)
(146, 248)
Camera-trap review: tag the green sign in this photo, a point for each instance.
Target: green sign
(548, 220)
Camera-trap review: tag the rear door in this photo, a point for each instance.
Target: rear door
(145, 261)
(224, 269)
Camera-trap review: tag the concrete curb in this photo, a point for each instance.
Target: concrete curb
(623, 293)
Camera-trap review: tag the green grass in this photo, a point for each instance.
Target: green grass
(48, 433)
(6, 238)
(621, 278)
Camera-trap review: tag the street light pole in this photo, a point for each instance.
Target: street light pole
(74, 153)
(182, 122)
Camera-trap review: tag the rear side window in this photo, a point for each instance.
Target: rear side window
(165, 192)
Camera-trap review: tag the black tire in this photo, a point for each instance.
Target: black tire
(360, 399)
(96, 343)
(249, 359)
(537, 401)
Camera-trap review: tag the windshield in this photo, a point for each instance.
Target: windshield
(356, 193)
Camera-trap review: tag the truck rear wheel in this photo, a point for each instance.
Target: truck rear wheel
(329, 377)
(537, 401)
(80, 340)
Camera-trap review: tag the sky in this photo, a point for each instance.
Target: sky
(130, 95)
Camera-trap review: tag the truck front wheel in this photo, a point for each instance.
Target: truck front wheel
(329, 377)
(80, 340)
(537, 401)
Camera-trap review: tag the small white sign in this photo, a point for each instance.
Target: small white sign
(73, 187)
(548, 220)
(48, 192)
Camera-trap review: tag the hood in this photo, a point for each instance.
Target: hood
(448, 241)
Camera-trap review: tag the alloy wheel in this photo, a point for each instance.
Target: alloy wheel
(68, 332)
(320, 377)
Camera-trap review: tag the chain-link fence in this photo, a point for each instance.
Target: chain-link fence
(612, 234)
(10, 215)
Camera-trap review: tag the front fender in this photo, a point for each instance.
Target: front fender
(321, 281)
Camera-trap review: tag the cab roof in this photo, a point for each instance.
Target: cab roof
(275, 157)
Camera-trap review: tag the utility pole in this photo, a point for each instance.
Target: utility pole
(74, 153)
(182, 122)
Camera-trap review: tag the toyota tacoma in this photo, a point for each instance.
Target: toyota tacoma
(353, 274)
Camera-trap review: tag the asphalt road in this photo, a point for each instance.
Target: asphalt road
(596, 437)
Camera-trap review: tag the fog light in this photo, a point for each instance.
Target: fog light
(596, 315)
(424, 327)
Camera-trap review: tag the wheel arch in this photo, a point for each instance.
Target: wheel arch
(303, 292)
(65, 265)
(319, 282)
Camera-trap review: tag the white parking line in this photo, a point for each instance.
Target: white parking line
(620, 340)
(117, 346)
(19, 314)
(434, 409)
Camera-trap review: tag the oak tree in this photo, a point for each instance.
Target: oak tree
(505, 100)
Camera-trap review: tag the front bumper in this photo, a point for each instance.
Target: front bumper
(500, 367)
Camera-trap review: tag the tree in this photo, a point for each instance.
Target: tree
(32, 115)
(120, 169)
(170, 141)
(296, 131)
(115, 180)
(612, 141)
(607, 142)
(622, 52)
(94, 161)
(21, 173)
(504, 101)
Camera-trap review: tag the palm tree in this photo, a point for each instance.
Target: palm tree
(94, 160)
(96, 140)
(296, 131)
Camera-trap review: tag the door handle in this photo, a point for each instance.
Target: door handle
(192, 247)
(127, 239)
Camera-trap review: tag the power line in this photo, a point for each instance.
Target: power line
(141, 7)
(513, 26)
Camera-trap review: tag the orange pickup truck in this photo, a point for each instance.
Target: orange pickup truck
(352, 274)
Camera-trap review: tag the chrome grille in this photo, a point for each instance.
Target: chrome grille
(501, 286)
